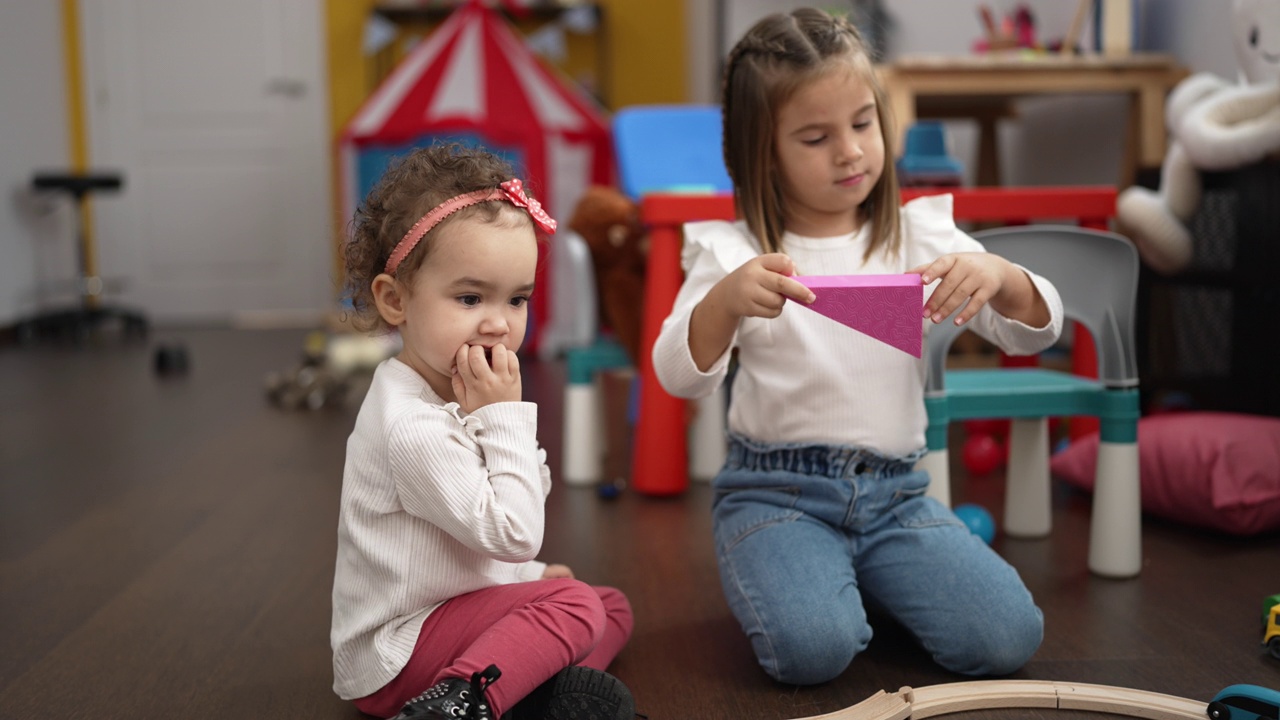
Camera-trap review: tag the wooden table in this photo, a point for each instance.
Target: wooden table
(967, 86)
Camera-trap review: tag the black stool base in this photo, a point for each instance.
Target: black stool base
(79, 324)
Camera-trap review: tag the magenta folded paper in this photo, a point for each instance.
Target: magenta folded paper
(886, 307)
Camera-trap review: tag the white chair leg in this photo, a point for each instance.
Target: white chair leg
(583, 449)
(1027, 505)
(707, 444)
(1115, 532)
(938, 466)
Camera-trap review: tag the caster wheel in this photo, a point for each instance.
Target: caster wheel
(171, 360)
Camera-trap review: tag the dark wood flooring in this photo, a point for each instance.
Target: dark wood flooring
(167, 547)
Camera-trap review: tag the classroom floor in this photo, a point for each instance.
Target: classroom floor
(167, 547)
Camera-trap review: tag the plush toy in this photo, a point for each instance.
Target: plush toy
(1214, 125)
(610, 223)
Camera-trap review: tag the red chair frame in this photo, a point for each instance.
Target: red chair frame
(660, 454)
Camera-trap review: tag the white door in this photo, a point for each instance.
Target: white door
(216, 114)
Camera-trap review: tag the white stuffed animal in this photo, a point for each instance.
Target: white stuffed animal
(1213, 125)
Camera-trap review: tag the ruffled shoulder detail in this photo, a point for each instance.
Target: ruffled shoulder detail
(929, 219)
(929, 230)
(729, 243)
(471, 424)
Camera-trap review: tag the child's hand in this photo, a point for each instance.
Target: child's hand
(761, 287)
(975, 276)
(479, 381)
(757, 289)
(557, 571)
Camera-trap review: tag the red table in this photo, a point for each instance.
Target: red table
(660, 455)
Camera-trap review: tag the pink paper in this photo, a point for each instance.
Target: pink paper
(886, 307)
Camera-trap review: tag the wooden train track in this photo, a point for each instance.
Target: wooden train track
(926, 702)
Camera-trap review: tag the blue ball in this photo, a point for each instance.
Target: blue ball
(978, 520)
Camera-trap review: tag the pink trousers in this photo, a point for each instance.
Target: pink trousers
(529, 630)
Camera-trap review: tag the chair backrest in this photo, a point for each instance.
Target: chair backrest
(669, 148)
(1095, 272)
(573, 320)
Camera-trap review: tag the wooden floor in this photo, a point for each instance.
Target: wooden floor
(167, 548)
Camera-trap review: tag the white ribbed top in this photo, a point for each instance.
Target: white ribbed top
(434, 504)
(803, 377)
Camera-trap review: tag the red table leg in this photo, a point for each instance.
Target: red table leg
(660, 455)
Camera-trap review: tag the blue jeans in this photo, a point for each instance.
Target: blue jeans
(806, 533)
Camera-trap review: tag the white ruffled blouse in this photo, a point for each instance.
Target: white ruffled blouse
(803, 377)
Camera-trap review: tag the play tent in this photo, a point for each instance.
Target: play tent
(473, 80)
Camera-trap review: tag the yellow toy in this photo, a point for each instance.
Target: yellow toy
(1271, 636)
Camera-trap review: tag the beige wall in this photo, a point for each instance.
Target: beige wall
(37, 245)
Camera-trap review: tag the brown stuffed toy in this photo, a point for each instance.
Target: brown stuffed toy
(610, 223)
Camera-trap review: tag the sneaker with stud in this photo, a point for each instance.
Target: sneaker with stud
(453, 698)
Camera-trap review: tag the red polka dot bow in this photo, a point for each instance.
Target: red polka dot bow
(514, 190)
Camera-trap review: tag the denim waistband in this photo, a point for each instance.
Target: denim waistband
(834, 461)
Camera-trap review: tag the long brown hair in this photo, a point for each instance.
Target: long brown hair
(777, 56)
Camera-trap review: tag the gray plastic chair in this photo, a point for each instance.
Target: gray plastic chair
(1096, 273)
(573, 319)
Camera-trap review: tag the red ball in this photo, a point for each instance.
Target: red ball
(995, 427)
(982, 454)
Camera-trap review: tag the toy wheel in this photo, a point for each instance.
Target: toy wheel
(274, 389)
(316, 399)
(1218, 711)
(1273, 647)
(171, 360)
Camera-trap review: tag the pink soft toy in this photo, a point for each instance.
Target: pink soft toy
(1213, 125)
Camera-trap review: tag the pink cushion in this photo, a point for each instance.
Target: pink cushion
(1214, 470)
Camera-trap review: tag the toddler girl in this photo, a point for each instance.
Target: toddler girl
(436, 592)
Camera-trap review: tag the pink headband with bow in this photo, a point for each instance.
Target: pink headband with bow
(511, 191)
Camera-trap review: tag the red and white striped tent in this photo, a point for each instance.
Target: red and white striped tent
(473, 80)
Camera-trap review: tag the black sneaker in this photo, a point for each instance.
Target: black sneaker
(577, 693)
(453, 698)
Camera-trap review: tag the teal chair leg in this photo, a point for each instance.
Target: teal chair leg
(1028, 508)
(582, 459)
(1115, 531)
(935, 462)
